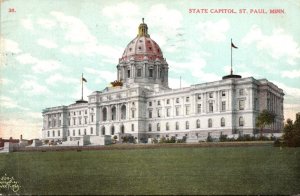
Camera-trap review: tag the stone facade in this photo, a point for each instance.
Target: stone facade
(145, 107)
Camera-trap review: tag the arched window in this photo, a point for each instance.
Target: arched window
(122, 128)
(209, 122)
(79, 132)
(167, 126)
(222, 122)
(177, 125)
(123, 112)
(197, 123)
(187, 125)
(241, 121)
(158, 127)
(104, 114)
(113, 113)
(112, 130)
(149, 127)
(103, 130)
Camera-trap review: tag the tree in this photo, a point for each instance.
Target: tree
(291, 134)
(263, 119)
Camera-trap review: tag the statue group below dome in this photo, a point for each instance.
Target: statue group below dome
(143, 61)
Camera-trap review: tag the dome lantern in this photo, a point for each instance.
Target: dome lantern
(143, 29)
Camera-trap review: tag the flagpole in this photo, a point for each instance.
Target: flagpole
(82, 86)
(231, 58)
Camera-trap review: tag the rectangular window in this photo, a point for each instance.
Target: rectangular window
(199, 108)
(58, 133)
(177, 111)
(79, 121)
(211, 107)
(91, 130)
(168, 101)
(223, 94)
(85, 120)
(74, 121)
(53, 133)
(48, 133)
(158, 102)
(150, 113)
(241, 104)
(69, 122)
(139, 72)
(187, 110)
(211, 95)
(128, 73)
(85, 112)
(79, 112)
(150, 103)
(199, 96)
(241, 91)
(168, 112)
(49, 123)
(150, 73)
(92, 120)
(187, 99)
(132, 113)
(132, 127)
(223, 106)
(177, 100)
(158, 113)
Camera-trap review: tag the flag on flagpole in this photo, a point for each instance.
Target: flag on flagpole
(83, 79)
(233, 46)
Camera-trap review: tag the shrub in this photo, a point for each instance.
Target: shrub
(223, 138)
(162, 140)
(209, 139)
(46, 141)
(155, 141)
(278, 143)
(115, 137)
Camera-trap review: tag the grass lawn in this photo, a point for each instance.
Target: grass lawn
(214, 170)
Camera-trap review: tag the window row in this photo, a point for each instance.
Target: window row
(187, 124)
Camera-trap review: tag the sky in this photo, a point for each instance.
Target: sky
(47, 44)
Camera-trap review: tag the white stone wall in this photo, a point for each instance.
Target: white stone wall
(254, 93)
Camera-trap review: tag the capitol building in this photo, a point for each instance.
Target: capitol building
(140, 103)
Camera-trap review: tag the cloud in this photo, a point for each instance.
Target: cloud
(46, 23)
(174, 83)
(14, 127)
(102, 75)
(26, 58)
(32, 88)
(289, 91)
(291, 74)
(59, 79)
(27, 24)
(195, 67)
(46, 43)
(278, 45)
(8, 45)
(7, 102)
(43, 66)
(290, 110)
(76, 30)
(213, 31)
(121, 22)
(39, 66)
